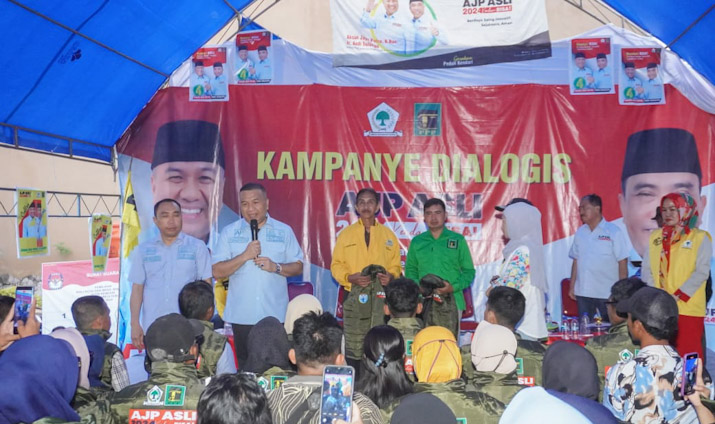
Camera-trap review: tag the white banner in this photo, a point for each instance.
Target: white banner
(413, 34)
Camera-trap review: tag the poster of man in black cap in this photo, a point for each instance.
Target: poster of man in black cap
(188, 166)
(640, 80)
(207, 82)
(589, 70)
(32, 237)
(100, 237)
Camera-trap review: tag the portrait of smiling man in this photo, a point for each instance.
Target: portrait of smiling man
(657, 162)
(188, 166)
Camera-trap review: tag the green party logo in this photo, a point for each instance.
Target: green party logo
(242, 74)
(579, 83)
(629, 93)
(198, 90)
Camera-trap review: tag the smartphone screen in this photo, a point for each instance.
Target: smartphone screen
(23, 299)
(336, 400)
(690, 372)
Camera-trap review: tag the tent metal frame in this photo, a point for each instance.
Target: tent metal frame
(71, 204)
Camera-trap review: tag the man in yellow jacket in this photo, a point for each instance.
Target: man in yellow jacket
(366, 242)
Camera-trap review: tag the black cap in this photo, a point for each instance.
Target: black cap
(198, 63)
(653, 307)
(661, 150)
(188, 141)
(629, 65)
(218, 65)
(242, 47)
(170, 338)
(420, 408)
(262, 48)
(651, 65)
(601, 56)
(579, 54)
(511, 202)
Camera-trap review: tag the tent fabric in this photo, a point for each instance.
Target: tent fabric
(294, 65)
(58, 82)
(666, 20)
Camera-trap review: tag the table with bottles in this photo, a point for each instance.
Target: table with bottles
(576, 330)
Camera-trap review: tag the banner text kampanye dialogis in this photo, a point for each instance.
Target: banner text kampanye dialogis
(414, 167)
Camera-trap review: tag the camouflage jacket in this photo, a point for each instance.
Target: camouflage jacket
(610, 348)
(408, 327)
(502, 387)
(529, 357)
(362, 310)
(110, 349)
(211, 349)
(470, 407)
(171, 393)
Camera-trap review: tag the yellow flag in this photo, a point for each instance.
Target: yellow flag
(130, 219)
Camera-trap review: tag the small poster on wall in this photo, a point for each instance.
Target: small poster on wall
(253, 59)
(32, 238)
(640, 80)
(590, 66)
(208, 81)
(100, 237)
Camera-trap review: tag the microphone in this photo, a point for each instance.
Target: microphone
(254, 229)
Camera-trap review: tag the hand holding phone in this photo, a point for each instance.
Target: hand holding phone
(23, 301)
(336, 400)
(690, 373)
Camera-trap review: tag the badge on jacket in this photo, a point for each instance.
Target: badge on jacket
(452, 244)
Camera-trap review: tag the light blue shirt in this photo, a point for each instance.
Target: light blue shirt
(244, 67)
(253, 293)
(389, 30)
(219, 86)
(653, 89)
(602, 78)
(226, 362)
(99, 249)
(419, 34)
(32, 227)
(165, 270)
(263, 70)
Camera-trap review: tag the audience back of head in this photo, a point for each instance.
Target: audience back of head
(6, 305)
(382, 370)
(317, 339)
(233, 398)
(196, 301)
(505, 306)
(402, 298)
(86, 310)
(622, 290)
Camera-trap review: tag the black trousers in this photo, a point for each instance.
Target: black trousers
(240, 340)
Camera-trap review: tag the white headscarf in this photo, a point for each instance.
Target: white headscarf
(523, 227)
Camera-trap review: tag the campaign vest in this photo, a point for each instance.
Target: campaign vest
(211, 350)
(683, 256)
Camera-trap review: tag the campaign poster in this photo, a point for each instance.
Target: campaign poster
(100, 237)
(65, 282)
(408, 34)
(640, 80)
(590, 66)
(209, 77)
(32, 238)
(253, 63)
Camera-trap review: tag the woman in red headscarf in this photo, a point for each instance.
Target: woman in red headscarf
(678, 262)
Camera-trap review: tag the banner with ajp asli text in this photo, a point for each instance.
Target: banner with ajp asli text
(409, 34)
(313, 147)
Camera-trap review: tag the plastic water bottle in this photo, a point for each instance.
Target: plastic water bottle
(584, 324)
(574, 328)
(598, 319)
(565, 327)
(548, 320)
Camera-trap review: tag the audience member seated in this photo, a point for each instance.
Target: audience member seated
(493, 356)
(383, 378)
(91, 316)
(40, 375)
(570, 375)
(232, 399)
(535, 405)
(268, 348)
(422, 408)
(317, 342)
(617, 344)
(438, 365)
(646, 387)
(505, 306)
(196, 301)
(402, 304)
(7, 328)
(173, 386)
(83, 395)
(299, 306)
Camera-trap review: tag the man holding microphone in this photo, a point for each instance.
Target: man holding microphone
(256, 253)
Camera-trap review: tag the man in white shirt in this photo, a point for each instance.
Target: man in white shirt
(600, 258)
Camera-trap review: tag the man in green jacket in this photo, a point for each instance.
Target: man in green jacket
(505, 306)
(617, 344)
(172, 392)
(443, 253)
(196, 301)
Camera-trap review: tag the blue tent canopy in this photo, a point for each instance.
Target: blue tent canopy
(76, 73)
(667, 20)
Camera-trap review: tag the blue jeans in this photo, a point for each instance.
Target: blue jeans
(589, 305)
